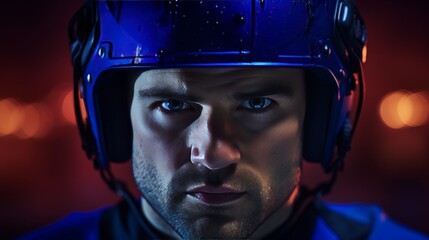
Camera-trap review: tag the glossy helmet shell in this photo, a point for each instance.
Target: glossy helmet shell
(111, 40)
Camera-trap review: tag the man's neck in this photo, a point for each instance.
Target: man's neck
(278, 218)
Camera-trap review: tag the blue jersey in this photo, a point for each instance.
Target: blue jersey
(319, 221)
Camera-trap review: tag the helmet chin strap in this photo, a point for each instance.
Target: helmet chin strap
(120, 189)
(290, 199)
(305, 198)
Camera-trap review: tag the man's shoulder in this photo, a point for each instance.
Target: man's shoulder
(363, 221)
(78, 225)
(114, 222)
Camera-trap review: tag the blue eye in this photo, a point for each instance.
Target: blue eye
(257, 104)
(175, 105)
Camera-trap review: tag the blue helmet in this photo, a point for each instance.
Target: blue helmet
(111, 41)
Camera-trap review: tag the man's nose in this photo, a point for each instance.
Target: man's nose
(211, 139)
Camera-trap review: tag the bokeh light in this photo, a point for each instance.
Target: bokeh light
(418, 104)
(24, 120)
(364, 53)
(402, 108)
(31, 122)
(67, 107)
(37, 123)
(10, 116)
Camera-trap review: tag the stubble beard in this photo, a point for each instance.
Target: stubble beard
(190, 223)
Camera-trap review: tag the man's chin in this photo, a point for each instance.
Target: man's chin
(234, 220)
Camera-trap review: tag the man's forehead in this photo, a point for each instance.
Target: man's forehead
(212, 77)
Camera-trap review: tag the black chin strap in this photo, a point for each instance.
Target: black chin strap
(121, 190)
(306, 198)
(344, 141)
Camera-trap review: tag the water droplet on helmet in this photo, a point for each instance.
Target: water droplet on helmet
(327, 50)
(101, 52)
(239, 19)
(160, 53)
(88, 78)
(138, 50)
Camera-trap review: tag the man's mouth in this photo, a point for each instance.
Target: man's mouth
(215, 195)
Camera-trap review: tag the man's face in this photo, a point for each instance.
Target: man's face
(216, 151)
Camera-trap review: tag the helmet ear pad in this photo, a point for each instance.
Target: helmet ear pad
(112, 95)
(322, 116)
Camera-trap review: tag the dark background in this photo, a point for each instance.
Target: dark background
(45, 175)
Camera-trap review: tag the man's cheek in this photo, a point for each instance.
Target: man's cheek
(165, 156)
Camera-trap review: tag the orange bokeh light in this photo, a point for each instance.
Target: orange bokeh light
(401, 109)
(364, 53)
(419, 103)
(37, 121)
(23, 120)
(31, 124)
(10, 116)
(67, 108)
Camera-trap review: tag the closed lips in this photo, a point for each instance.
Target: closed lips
(215, 195)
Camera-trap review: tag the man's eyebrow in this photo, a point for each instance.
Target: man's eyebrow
(164, 93)
(265, 91)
